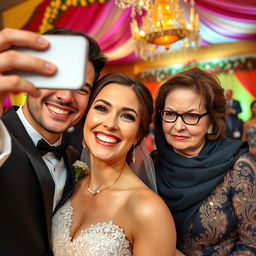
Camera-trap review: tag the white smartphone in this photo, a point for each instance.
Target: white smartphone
(69, 53)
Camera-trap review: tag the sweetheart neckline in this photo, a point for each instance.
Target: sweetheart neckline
(85, 230)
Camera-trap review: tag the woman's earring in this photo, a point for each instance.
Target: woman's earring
(133, 154)
(210, 129)
(209, 132)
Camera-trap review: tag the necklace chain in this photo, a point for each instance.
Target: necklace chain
(95, 192)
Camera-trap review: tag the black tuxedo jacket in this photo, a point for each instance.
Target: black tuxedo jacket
(237, 107)
(26, 195)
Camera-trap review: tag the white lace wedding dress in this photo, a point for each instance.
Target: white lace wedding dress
(101, 239)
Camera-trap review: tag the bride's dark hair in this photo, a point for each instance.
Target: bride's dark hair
(144, 97)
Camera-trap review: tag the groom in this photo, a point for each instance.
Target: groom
(33, 181)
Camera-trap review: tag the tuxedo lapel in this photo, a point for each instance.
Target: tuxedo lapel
(69, 157)
(20, 135)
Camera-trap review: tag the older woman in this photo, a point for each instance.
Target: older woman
(207, 181)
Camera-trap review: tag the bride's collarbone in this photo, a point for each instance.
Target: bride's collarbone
(109, 205)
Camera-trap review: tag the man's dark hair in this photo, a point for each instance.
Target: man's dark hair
(96, 56)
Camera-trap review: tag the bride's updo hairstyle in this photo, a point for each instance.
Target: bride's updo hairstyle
(144, 97)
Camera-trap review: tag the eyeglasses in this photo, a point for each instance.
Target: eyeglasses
(187, 118)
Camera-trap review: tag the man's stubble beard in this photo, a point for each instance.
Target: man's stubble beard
(41, 124)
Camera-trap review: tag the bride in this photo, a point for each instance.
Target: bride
(112, 212)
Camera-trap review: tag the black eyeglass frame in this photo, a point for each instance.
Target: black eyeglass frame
(199, 116)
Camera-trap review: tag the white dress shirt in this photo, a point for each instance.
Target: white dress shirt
(230, 102)
(5, 143)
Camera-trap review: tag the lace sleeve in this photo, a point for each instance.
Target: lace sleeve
(243, 191)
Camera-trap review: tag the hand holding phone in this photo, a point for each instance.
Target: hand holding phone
(69, 53)
(9, 60)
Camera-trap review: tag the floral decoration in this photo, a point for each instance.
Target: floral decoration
(80, 169)
(224, 66)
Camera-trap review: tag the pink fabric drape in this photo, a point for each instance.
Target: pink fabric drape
(110, 25)
(248, 79)
(220, 29)
(81, 17)
(107, 23)
(7, 102)
(240, 9)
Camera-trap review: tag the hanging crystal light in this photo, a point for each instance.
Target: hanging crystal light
(166, 27)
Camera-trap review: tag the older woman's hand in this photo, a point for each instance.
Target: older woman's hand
(11, 59)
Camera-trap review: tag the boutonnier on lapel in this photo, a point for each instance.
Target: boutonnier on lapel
(80, 169)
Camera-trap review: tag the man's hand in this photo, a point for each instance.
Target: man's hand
(11, 59)
(230, 111)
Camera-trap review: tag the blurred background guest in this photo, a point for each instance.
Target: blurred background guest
(249, 131)
(234, 125)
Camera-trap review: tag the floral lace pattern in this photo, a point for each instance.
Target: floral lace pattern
(101, 239)
(226, 221)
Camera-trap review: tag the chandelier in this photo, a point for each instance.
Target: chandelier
(162, 26)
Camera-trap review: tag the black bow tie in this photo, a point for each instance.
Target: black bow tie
(43, 147)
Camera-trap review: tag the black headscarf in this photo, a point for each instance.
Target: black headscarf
(184, 182)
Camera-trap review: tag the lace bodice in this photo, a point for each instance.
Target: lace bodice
(101, 239)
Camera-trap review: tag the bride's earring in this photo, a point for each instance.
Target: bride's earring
(133, 154)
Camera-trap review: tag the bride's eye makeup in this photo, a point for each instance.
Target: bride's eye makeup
(125, 113)
(101, 108)
(128, 117)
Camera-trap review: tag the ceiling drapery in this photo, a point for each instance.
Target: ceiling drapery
(221, 21)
